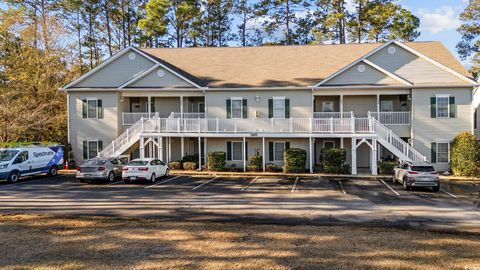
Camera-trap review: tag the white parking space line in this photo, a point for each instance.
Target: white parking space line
(342, 188)
(203, 184)
(166, 181)
(448, 193)
(248, 185)
(389, 187)
(295, 185)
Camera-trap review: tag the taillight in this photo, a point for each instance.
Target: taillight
(101, 168)
(78, 169)
(434, 173)
(412, 172)
(143, 169)
(125, 169)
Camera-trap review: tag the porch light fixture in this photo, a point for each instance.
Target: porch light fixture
(361, 68)
(121, 97)
(131, 56)
(409, 97)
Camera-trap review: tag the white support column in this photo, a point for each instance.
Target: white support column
(149, 106)
(169, 158)
(182, 147)
(373, 156)
(205, 154)
(150, 149)
(378, 103)
(199, 153)
(181, 107)
(341, 105)
(142, 148)
(243, 156)
(263, 153)
(311, 154)
(160, 143)
(341, 143)
(354, 156)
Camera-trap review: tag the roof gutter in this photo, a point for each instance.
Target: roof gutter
(394, 86)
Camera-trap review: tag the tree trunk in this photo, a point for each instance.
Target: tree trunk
(287, 23)
(359, 21)
(109, 31)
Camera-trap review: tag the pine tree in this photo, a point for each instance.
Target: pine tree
(470, 31)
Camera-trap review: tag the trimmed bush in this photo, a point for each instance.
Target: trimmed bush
(465, 155)
(190, 166)
(175, 165)
(216, 161)
(190, 158)
(270, 167)
(333, 160)
(295, 160)
(252, 168)
(256, 161)
(386, 167)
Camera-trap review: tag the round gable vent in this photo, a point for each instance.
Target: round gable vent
(131, 56)
(161, 73)
(361, 68)
(392, 50)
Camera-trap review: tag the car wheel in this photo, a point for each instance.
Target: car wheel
(53, 171)
(13, 177)
(111, 177)
(81, 180)
(405, 186)
(436, 189)
(167, 173)
(153, 178)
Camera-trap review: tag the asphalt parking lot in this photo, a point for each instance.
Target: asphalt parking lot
(262, 199)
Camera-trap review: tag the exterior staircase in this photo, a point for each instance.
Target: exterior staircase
(385, 136)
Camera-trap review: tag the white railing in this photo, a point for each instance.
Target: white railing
(130, 118)
(122, 142)
(333, 114)
(394, 140)
(258, 125)
(189, 115)
(392, 118)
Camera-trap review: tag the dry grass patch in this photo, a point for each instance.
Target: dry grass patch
(44, 242)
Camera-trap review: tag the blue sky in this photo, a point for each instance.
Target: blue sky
(439, 19)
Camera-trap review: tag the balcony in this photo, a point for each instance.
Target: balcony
(259, 125)
(130, 118)
(392, 118)
(332, 114)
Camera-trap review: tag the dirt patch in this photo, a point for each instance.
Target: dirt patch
(33, 241)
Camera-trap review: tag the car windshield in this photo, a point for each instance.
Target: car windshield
(6, 155)
(95, 162)
(423, 169)
(138, 163)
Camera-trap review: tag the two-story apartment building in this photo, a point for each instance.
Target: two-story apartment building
(381, 101)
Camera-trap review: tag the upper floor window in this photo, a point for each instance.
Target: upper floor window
(279, 107)
(92, 108)
(443, 106)
(236, 108)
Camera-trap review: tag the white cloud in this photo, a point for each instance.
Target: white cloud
(438, 20)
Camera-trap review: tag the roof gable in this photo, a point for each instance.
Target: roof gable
(157, 77)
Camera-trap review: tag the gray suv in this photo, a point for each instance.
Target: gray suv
(418, 174)
(100, 169)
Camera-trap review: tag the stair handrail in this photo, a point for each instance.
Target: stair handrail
(388, 135)
(131, 134)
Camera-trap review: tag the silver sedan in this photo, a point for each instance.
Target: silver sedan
(100, 169)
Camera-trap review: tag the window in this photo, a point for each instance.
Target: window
(237, 108)
(328, 144)
(22, 157)
(91, 108)
(91, 148)
(278, 149)
(327, 106)
(278, 108)
(386, 105)
(442, 106)
(201, 107)
(443, 154)
(236, 150)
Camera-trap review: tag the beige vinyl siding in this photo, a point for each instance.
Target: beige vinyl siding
(300, 102)
(360, 105)
(105, 129)
(352, 76)
(411, 67)
(153, 80)
(117, 72)
(427, 130)
(166, 105)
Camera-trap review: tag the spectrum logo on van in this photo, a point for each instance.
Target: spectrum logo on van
(42, 154)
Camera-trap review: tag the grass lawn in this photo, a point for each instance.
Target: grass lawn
(44, 242)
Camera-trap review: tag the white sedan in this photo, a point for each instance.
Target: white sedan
(144, 169)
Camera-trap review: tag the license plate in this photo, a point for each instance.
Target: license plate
(424, 178)
(133, 177)
(88, 175)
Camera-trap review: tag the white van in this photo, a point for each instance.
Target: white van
(30, 160)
